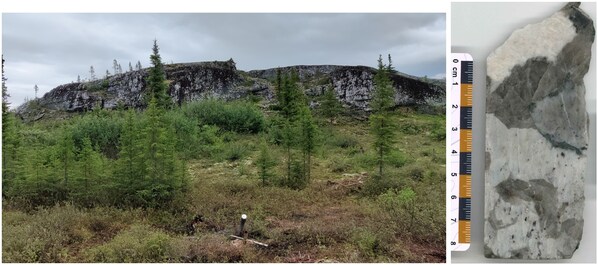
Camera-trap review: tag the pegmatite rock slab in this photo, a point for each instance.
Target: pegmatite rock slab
(537, 137)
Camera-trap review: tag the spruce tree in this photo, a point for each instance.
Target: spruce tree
(265, 162)
(10, 140)
(308, 141)
(164, 173)
(380, 121)
(287, 143)
(39, 183)
(92, 73)
(115, 66)
(331, 106)
(383, 99)
(66, 158)
(129, 168)
(5, 103)
(280, 89)
(156, 81)
(289, 96)
(89, 171)
(295, 98)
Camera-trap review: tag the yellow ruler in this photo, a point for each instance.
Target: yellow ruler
(459, 140)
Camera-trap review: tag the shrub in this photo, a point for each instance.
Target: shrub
(139, 243)
(438, 132)
(343, 141)
(102, 130)
(377, 185)
(367, 242)
(235, 151)
(216, 248)
(297, 179)
(49, 235)
(414, 171)
(238, 116)
(397, 159)
(209, 143)
(415, 214)
(275, 124)
(186, 133)
(409, 128)
(368, 160)
(340, 165)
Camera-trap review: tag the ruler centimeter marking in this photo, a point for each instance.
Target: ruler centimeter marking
(459, 146)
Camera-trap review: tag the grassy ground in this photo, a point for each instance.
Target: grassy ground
(337, 217)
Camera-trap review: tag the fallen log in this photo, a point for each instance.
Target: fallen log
(250, 241)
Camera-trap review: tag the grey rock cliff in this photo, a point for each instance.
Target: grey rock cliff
(195, 81)
(537, 137)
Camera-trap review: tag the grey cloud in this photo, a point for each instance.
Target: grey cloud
(51, 49)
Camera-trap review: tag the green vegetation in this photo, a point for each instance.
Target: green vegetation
(331, 106)
(156, 81)
(168, 184)
(382, 127)
(241, 117)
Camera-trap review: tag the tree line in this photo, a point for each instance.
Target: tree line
(146, 173)
(139, 165)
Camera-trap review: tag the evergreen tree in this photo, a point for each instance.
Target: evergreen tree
(35, 88)
(389, 67)
(164, 173)
(383, 99)
(265, 162)
(10, 140)
(156, 81)
(78, 79)
(129, 169)
(115, 66)
(138, 66)
(287, 143)
(39, 183)
(5, 103)
(381, 124)
(383, 131)
(92, 73)
(331, 106)
(66, 157)
(309, 133)
(107, 73)
(89, 171)
(130, 67)
(289, 96)
(279, 89)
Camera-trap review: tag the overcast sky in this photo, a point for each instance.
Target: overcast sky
(52, 49)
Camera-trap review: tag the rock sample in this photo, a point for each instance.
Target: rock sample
(537, 137)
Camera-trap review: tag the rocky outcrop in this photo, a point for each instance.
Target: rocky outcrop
(537, 137)
(195, 81)
(354, 85)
